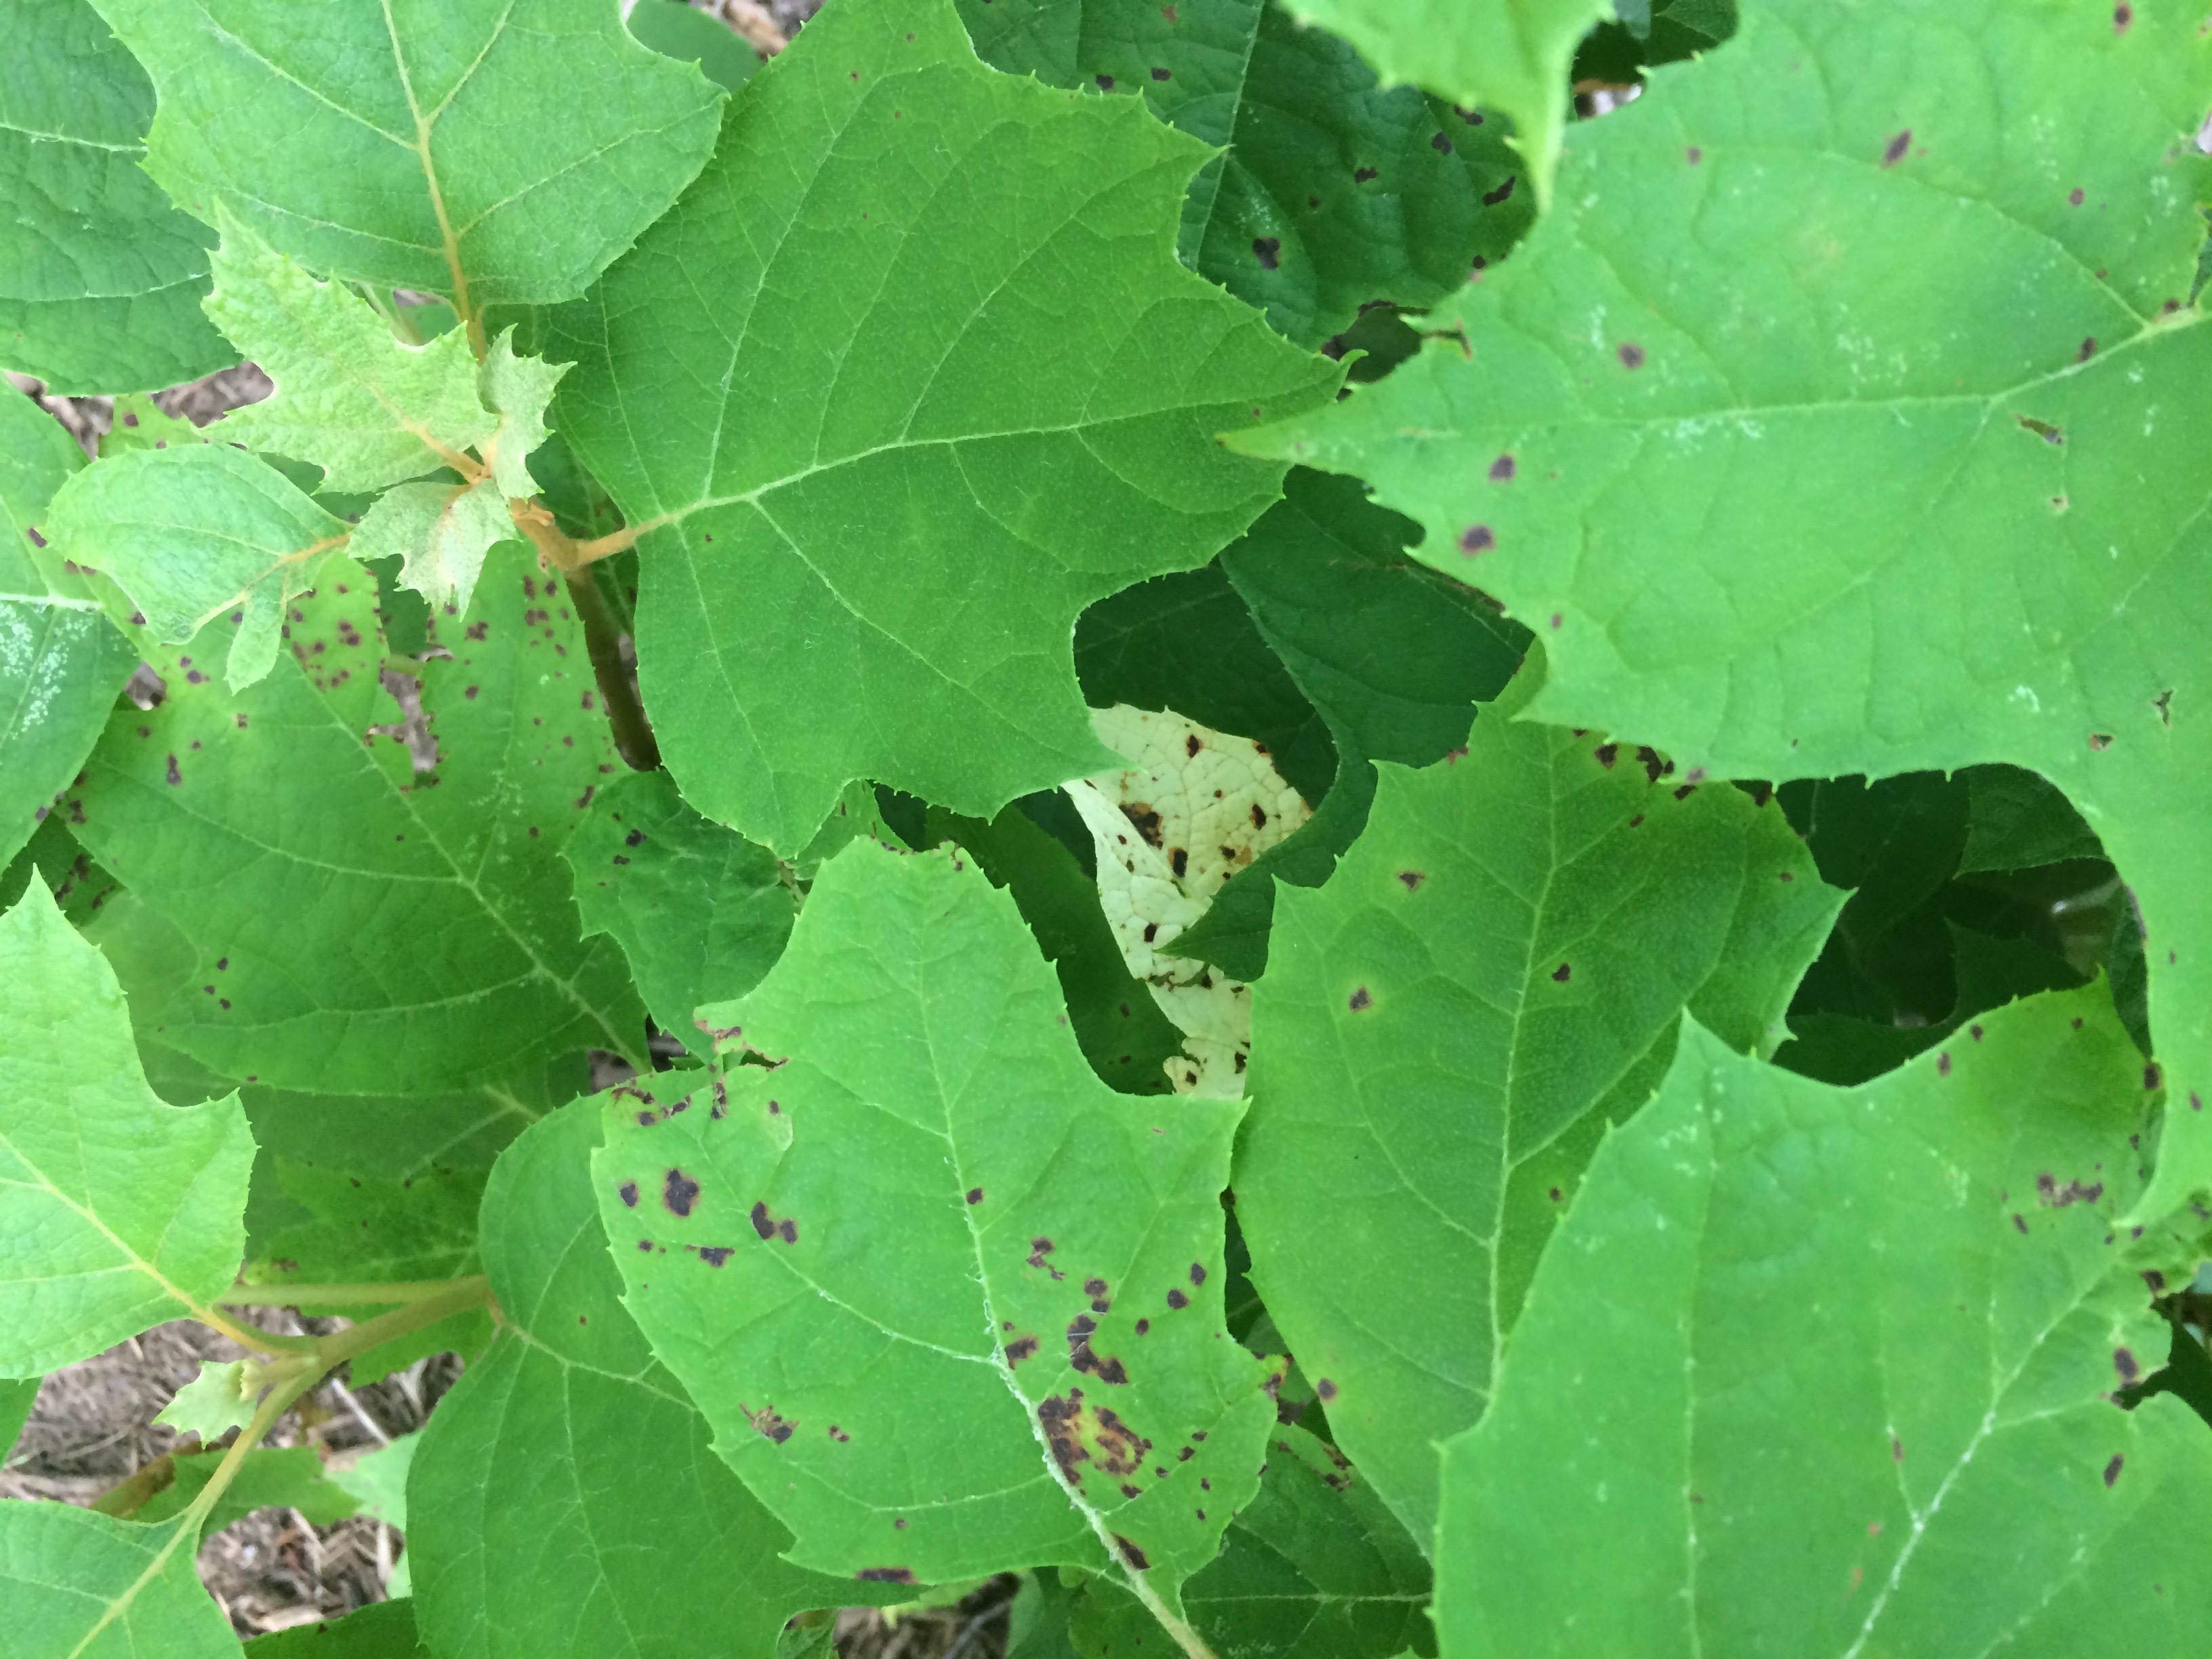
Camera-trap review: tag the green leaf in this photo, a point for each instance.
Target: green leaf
(518, 389)
(1886, 332)
(1394, 657)
(1494, 974)
(383, 1630)
(676, 30)
(1314, 1567)
(439, 533)
(360, 928)
(957, 414)
(288, 1477)
(16, 1398)
(948, 1300)
(1333, 192)
(191, 534)
(1819, 1451)
(497, 153)
(378, 1481)
(211, 1404)
(61, 662)
(1509, 55)
(368, 408)
(79, 1585)
(567, 1443)
(100, 278)
(123, 1212)
(700, 913)
(2016, 821)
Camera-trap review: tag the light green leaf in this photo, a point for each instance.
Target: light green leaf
(677, 30)
(61, 662)
(518, 389)
(497, 153)
(700, 913)
(1874, 472)
(136, 421)
(213, 1403)
(79, 1585)
(99, 276)
(17, 1397)
(123, 1212)
(287, 1477)
(1509, 55)
(1815, 1451)
(1334, 192)
(993, 396)
(1494, 974)
(191, 534)
(567, 1442)
(439, 533)
(948, 1300)
(358, 928)
(377, 1480)
(382, 1629)
(367, 408)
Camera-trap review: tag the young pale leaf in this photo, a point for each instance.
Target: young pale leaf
(211, 1404)
(1510, 55)
(191, 534)
(80, 1585)
(1314, 1567)
(499, 153)
(99, 276)
(61, 662)
(1874, 1338)
(990, 401)
(567, 1442)
(517, 389)
(440, 533)
(368, 408)
(700, 913)
(361, 929)
(1896, 464)
(949, 1301)
(1334, 192)
(122, 1212)
(1494, 974)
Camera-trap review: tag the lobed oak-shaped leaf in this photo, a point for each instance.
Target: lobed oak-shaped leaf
(568, 1442)
(1813, 1370)
(118, 1212)
(442, 147)
(950, 1302)
(912, 369)
(81, 1585)
(1494, 973)
(1853, 425)
(100, 278)
(359, 927)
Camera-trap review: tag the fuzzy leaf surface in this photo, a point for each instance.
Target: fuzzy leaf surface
(949, 1301)
(80, 1585)
(566, 1441)
(416, 145)
(1876, 1336)
(1897, 464)
(360, 928)
(100, 278)
(990, 400)
(1334, 191)
(439, 533)
(119, 1211)
(1494, 974)
(61, 662)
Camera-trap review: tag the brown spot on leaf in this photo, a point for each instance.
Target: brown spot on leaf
(1325, 1390)
(715, 1255)
(1081, 1357)
(1476, 539)
(2112, 1469)
(1492, 197)
(2124, 1361)
(1563, 973)
(628, 1191)
(884, 1575)
(975, 1194)
(1412, 878)
(1631, 354)
(1136, 1558)
(1360, 1000)
(174, 775)
(679, 1192)
(1268, 250)
(1894, 151)
(1177, 1299)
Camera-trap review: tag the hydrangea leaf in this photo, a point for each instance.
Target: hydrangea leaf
(569, 1441)
(270, 1477)
(998, 397)
(367, 408)
(1897, 464)
(122, 1212)
(949, 1301)
(17, 1397)
(382, 1629)
(700, 913)
(1494, 974)
(61, 662)
(518, 389)
(1191, 808)
(358, 927)
(1333, 192)
(2017, 820)
(100, 278)
(676, 29)
(407, 145)
(81, 1585)
(1933, 1262)
(1507, 55)
(440, 533)
(213, 1403)
(191, 534)
(1314, 1567)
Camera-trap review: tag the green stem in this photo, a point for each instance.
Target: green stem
(443, 1302)
(333, 1296)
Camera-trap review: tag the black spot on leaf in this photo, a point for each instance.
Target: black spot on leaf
(1894, 151)
(628, 1191)
(1268, 250)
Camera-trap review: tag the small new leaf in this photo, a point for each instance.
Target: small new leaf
(439, 533)
(213, 1403)
(517, 389)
